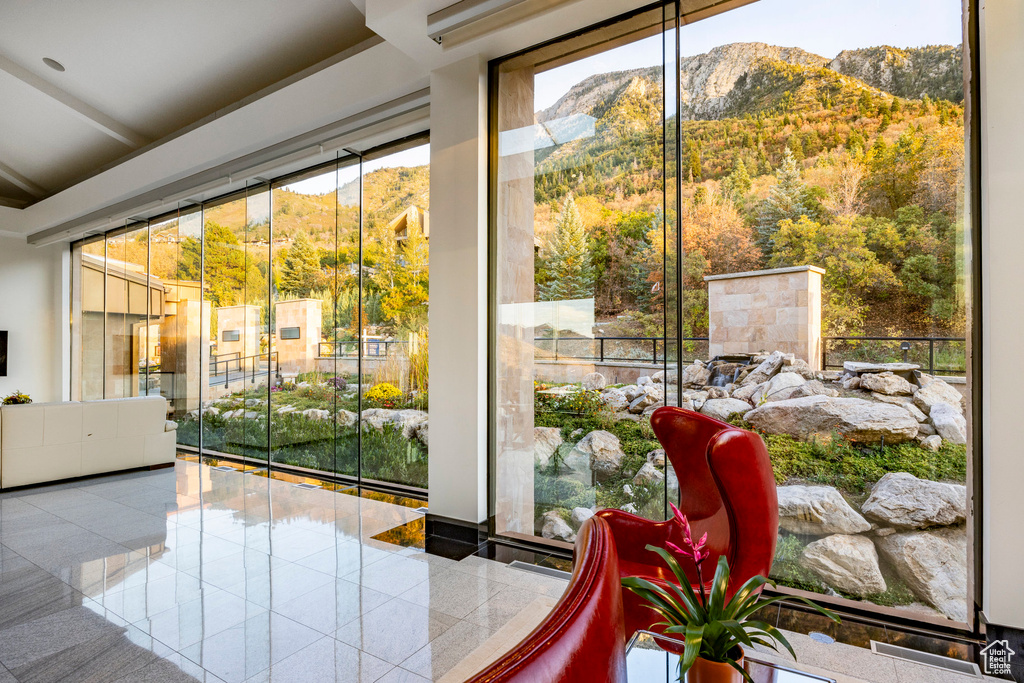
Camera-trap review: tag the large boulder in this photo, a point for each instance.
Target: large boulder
(644, 401)
(657, 457)
(778, 388)
(853, 418)
(937, 391)
(766, 370)
(800, 367)
(595, 381)
(695, 375)
(724, 408)
(813, 387)
(901, 500)
(376, 418)
(546, 441)
(316, 414)
(423, 433)
(580, 515)
(556, 528)
(747, 391)
(848, 563)
(615, 399)
(818, 511)
(346, 418)
(886, 383)
(408, 420)
(933, 564)
(603, 451)
(648, 475)
(949, 422)
(904, 402)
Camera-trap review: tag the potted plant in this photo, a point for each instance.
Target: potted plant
(17, 398)
(711, 627)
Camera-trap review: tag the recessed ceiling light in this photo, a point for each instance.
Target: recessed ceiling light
(53, 64)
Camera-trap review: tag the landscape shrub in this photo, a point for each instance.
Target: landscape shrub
(583, 402)
(383, 395)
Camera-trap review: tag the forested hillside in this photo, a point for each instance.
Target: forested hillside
(854, 164)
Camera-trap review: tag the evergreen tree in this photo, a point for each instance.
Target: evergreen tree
(737, 184)
(301, 273)
(695, 169)
(786, 201)
(570, 271)
(894, 108)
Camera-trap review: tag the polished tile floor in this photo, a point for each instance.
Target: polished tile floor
(197, 573)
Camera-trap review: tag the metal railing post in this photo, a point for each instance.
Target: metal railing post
(601, 346)
(931, 356)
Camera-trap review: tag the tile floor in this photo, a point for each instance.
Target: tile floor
(194, 573)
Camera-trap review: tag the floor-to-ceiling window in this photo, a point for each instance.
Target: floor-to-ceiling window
(772, 197)
(285, 323)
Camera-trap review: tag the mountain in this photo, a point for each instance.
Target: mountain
(935, 70)
(707, 80)
(740, 78)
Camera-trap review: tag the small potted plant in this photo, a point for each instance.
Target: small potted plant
(712, 628)
(17, 398)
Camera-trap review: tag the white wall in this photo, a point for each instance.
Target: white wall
(1002, 159)
(33, 311)
(458, 291)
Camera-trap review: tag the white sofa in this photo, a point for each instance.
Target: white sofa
(42, 442)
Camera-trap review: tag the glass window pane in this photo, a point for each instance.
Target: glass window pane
(581, 241)
(839, 159)
(307, 397)
(393, 328)
(226, 266)
(89, 264)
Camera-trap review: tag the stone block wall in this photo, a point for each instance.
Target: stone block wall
(767, 310)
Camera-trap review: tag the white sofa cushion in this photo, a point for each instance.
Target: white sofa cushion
(99, 420)
(63, 423)
(22, 466)
(141, 416)
(23, 426)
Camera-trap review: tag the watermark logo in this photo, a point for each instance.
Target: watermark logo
(997, 656)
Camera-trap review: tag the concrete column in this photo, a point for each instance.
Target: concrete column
(297, 334)
(514, 488)
(458, 292)
(1002, 326)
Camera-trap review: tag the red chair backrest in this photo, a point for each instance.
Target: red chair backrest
(583, 639)
(726, 483)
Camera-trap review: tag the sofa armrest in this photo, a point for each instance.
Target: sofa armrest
(170, 425)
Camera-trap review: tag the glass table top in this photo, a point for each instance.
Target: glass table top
(647, 662)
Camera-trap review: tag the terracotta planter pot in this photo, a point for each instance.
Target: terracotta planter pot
(706, 671)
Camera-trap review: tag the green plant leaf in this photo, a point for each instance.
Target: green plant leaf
(736, 630)
(716, 603)
(694, 639)
(736, 665)
(746, 592)
(774, 633)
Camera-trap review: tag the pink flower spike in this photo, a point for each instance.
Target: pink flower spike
(703, 540)
(679, 551)
(677, 512)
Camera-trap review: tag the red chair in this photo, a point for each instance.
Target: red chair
(582, 640)
(726, 488)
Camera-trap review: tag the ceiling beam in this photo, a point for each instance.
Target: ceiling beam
(13, 204)
(9, 174)
(94, 117)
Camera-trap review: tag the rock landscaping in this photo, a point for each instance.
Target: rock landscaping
(870, 463)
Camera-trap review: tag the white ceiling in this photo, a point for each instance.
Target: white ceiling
(140, 70)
